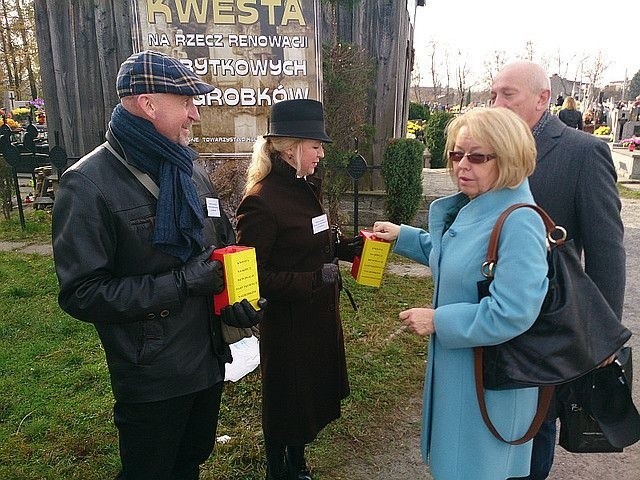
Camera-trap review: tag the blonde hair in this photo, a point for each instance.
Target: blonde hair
(508, 137)
(569, 103)
(263, 151)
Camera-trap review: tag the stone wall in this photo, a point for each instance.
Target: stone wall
(371, 208)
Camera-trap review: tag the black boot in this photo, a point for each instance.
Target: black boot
(296, 463)
(276, 467)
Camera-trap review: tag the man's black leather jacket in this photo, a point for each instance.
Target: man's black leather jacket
(111, 275)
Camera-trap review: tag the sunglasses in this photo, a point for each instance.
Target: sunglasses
(475, 158)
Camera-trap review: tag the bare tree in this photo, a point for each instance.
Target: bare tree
(593, 72)
(493, 65)
(435, 79)
(529, 51)
(9, 48)
(25, 27)
(462, 74)
(578, 77)
(415, 81)
(447, 69)
(562, 69)
(18, 49)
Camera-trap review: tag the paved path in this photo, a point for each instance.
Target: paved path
(21, 247)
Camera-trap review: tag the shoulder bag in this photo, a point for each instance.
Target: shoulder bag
(576, 329)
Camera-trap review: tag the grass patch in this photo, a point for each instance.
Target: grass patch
(37, 226)
(626, 192)
(56, 402)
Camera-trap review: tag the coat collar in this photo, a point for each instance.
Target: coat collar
(286, 172)
(487, 205)
(546, 140)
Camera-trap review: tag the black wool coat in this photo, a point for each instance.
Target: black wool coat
(304, 373)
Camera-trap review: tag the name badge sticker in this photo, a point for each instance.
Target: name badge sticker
(213, 207)
(320, 223)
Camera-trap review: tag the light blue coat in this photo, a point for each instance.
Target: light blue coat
(455, 441)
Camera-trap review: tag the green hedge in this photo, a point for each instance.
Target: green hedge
(418, 111)
(402, 174)
(434, 134)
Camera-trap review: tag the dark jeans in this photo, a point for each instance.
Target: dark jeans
(169, 439)
(544, 445)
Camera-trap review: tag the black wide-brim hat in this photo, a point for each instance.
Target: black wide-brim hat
(299, 118)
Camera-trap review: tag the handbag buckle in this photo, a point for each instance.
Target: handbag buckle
(553, 238)
(487, 269)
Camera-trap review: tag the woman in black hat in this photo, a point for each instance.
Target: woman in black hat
(304, 373)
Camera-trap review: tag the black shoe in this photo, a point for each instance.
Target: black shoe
(296, 463)
(304, 474)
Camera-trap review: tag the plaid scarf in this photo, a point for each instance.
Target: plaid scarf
(179, 215)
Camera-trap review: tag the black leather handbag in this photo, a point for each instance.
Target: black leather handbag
(575, 331)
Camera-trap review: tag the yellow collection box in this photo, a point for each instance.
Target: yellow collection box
(368, 268)
(240, 276)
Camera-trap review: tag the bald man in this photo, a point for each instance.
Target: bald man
(575, 182)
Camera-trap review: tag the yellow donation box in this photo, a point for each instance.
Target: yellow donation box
(368, 268)
(240, 276)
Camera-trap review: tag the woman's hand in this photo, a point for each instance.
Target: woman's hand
(386, 230)
(420, 320)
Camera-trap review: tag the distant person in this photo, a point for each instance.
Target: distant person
(491, 152)
(575, 182)
(570, 115)
(132, 236)
(559, 100)
(302, 357)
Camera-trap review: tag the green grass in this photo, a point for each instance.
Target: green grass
(37, 226)
(626, 192)
(56, 402)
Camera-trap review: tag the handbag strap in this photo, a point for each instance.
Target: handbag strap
(488, 267)
(491, 259)
(544, 400)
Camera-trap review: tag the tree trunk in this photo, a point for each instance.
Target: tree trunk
(27, 54)
(78, 41)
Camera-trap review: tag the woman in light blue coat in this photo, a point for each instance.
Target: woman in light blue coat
(491, 152)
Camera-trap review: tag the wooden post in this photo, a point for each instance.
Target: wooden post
(81, 45)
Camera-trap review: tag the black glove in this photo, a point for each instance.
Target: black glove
(328, 274)
(347, 248)
(200, 275)
(242, 314)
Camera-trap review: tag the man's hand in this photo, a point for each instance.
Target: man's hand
(242, 314)
(200, 275)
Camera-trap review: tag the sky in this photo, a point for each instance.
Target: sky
(477, 28)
